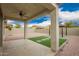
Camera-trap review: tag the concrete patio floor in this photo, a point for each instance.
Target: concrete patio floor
(25, 48)
(71, 48)
(30, 48)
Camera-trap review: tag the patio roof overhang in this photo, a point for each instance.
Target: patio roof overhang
(30, 10)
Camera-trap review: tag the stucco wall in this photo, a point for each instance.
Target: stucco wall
(72, 31)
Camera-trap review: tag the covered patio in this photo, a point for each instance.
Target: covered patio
(25, 12)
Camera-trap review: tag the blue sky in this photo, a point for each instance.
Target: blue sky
(67, 12)
(39, 19)
(69, 7)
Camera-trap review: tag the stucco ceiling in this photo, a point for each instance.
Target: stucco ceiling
(30, 10)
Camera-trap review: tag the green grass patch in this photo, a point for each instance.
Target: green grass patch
(46, 41)
(61, 41)
(38, 38)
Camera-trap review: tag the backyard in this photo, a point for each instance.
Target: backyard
(35, 33)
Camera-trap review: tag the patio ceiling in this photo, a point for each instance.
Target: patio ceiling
(30, 10)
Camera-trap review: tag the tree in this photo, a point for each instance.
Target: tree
(68, 24)
(9, 26)
(17, 26)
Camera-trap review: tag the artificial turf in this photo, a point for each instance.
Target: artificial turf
(44, 40)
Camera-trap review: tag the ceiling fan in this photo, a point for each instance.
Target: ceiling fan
(22, 14)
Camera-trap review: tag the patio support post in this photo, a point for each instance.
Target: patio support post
(25, 29)
(54, 30)
(1, 27)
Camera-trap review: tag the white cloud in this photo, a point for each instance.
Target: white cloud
(62, 23)
(67, 15)
(43, 24)
(14, 25)
(22, 25)
(10, 21)
(30, 25)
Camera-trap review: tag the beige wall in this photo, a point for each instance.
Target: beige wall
(71, 31)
